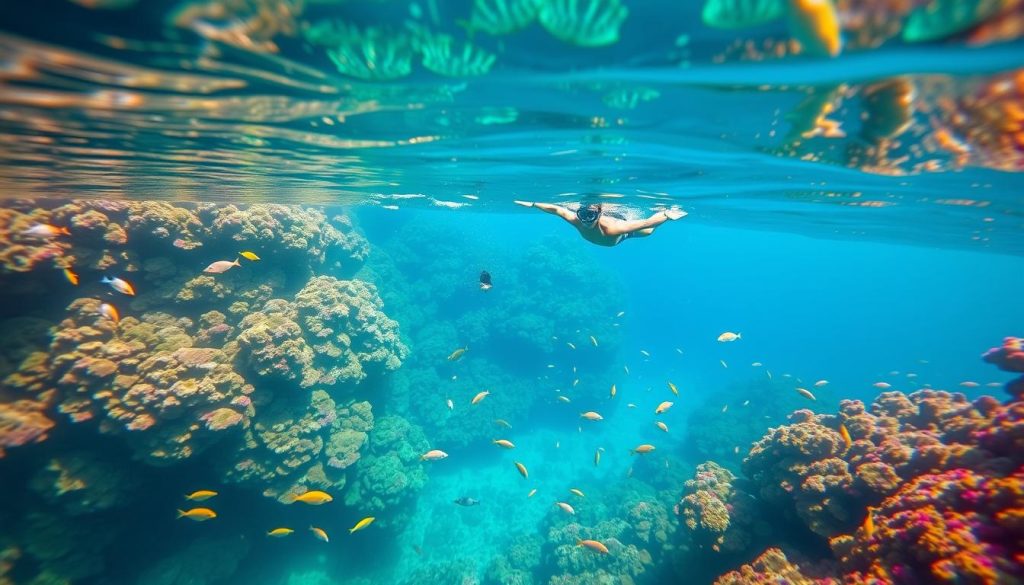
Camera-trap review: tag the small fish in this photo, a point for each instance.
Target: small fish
(317, 532)
(591, 415)
(221, 266)
(504, 443)
(630, 405)
(820, 383)
(729, 336)
(480, 396)
(769, 373)
(532, 493)
(119, 285)
(662, 426)
(619, 314)
(725, 408)
(757, 364)
(993, 384)
(645, 448)
(551, 365)
(612, 391)
(673, 388)
(629, 472)
(869, 523)
(882, 385)
(593, 545)
(593, 340)
(70, 276)
(110, 312)
(433, 455)
(250, 256)
(466, 501)
(664, 406)
(451, 405)
(597, 457)
(911, 375)
(625, 369)
(806, 393)
(576, 492)
(558, 444)
(969, 384)
(313, 498)
(679, 351)
(724, 365)
(502, 423)
(746, 403)
(846, 435)
(198, 514)
(566, 507)
(736, 449)
(564, 399)
(644, 353)
(280, 532)
(571, 345)
(362, 524)
(576, 382)
(200, 495)
(43, 230)
(522, 470)
(455, 355)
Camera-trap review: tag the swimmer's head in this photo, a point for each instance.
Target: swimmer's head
(588, 213)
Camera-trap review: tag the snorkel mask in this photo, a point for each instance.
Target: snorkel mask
(588, 214)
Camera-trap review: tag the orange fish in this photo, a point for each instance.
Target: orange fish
(43, 230)
(522, 470)
(120, 285)
(846, 435)
(198, 514)
(110, 312)
(480, 396)
(869, 523)
(664, 406)
(662, 426)
(593, 545)
(566, 507)
(71, 276)
(319, 533)
(673, 388)
(645, 448)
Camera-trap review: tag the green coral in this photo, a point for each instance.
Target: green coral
(391, 474)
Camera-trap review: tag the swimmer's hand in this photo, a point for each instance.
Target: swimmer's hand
(524, 203)
(674, 213)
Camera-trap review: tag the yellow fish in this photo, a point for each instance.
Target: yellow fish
(532, 493)
(566, 508)
(645, 448)
(729, 336)
(362, 524)
(198, 514)
(250, 256)
(576, 492)
(318, 532)
(564, 398)
(846, 435)
(613, 391)
(480, 396)
(280, 532)
(71, 276)
(522, 470)
(313, 498)
(593, 340)
(673, 388)
(201, 495)
(455, 355)
(664, 406)
(591, 415)
(662, 426)
(806, 393)
(504, 443)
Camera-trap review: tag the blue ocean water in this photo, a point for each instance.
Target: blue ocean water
(854, 218)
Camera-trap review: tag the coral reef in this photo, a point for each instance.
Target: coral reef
(206, 561)
(64, 551)
(83, 482)
(771, 568)
(1009, 358)
(518, 564)
(715, 514)
(391, 474)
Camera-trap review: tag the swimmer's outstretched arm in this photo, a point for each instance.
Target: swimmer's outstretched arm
(622, 227)
(551, 208)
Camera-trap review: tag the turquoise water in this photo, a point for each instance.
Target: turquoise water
(855, 218)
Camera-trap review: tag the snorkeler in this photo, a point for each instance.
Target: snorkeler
(485, 281)
(602, 228)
